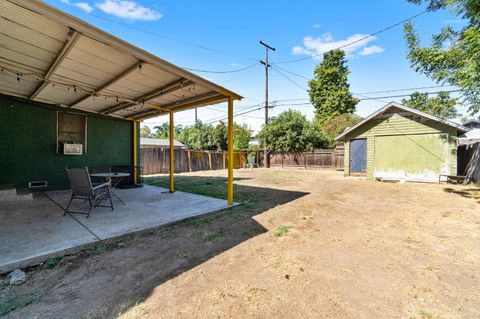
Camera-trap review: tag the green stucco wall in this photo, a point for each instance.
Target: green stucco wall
(406, 143)
(28, 144)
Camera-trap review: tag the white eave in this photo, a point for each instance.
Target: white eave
(65, 61)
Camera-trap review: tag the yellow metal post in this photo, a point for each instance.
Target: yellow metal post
(230, 151)
(135, 156)
(172, 154)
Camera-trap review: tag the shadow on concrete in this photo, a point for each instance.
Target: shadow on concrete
(102, 283)
(471, 193)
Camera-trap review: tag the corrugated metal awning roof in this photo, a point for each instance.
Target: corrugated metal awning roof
(49, 56)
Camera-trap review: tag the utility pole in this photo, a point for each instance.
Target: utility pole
(266, 162)
(196, 118)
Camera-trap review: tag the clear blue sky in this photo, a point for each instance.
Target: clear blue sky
(231, 31)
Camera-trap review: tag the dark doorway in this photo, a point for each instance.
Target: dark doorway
(358, 156)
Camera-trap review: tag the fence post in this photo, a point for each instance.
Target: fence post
(332, 156)
(305, 160)
(164, 159)
(209, 160)
(281, 154)
(189, 155)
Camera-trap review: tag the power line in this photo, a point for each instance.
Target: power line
(156, 34)
(309, 104)
(228, 71)
(407, 95)
(405, 89)
(292, 73)
(372, 92)
(356, 41)
(195, 45)
(289, 79)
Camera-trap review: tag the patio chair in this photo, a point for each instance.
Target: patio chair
(83, 189)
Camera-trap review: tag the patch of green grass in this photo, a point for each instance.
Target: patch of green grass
(201, 221)
(52, 262)
(97, 250)
(281, 230)
(20, 302)
(213, 236)
(427, 315)
(183, 254)
(213, 187)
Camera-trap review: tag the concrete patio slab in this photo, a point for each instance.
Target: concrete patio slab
(33, 231)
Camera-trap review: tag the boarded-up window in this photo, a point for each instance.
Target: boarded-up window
(71, 129)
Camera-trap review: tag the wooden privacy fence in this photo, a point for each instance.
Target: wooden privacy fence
(328, 158)
(156, 160)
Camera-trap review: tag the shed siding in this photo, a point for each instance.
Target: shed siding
(400, 125)
(370, 156)
(346, 159)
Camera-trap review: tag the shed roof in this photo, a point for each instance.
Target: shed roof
(470, 137)
(159, 142)
(390, 105)
(474, 121)
(52, 57)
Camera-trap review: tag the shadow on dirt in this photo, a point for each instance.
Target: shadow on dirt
(105, 282)
(471, 193)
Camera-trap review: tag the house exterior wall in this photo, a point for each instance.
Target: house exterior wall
(28, 150)
(408, 127)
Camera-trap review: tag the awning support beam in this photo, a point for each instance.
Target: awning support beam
(166, 89)
(172, 153)
(72, 38)
(207, 98)
(230, 150)
(118, 77)
(135, 150)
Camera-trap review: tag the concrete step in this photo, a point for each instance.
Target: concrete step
(8, 193)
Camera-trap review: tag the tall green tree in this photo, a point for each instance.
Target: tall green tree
(243, 135)
(441, 105)
(145, 131)
(329, 89)
(220, 136)
(208, 137)
(454, 54)
(336, 125)
(291, 132)
(198, 137)
(163, 131)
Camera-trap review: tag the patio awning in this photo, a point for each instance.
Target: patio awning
(52, 57)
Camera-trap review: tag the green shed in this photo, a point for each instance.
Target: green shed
(400, 143)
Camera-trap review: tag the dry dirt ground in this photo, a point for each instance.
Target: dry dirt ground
(303, 244)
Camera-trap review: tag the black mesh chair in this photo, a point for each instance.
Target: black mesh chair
(83, 189)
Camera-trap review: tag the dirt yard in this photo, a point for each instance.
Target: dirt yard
(302, 244)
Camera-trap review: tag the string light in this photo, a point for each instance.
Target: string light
(75, 88)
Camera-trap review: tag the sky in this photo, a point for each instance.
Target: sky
(224, 36)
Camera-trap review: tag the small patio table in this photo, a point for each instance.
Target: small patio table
(108, 177)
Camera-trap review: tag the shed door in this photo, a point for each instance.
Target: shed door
(358, 155)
